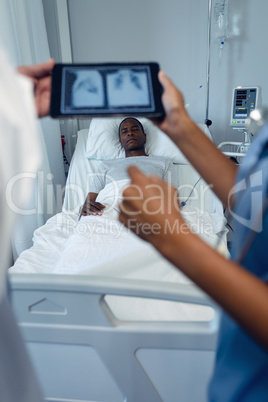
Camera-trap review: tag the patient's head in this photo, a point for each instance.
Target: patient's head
(132, 137)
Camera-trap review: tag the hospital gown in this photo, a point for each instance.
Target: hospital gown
(116, 170)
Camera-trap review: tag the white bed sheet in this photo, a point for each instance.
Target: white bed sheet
(102, 246)
(65, 245)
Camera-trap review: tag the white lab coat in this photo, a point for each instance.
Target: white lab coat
(19, 154)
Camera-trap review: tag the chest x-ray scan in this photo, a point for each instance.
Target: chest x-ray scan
(87, 89)
(128, 87)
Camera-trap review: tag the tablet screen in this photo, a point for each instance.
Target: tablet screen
(98, 89)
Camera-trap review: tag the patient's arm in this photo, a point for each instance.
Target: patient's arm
(91, 207)
(215, 168)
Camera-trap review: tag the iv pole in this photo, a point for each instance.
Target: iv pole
(208, 122)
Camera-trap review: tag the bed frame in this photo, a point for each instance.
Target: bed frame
(82, 352)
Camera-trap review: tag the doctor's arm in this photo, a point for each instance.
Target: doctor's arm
(153, 213)
(206, 158)
(40, 74)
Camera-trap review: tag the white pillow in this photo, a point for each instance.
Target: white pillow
(103, 140)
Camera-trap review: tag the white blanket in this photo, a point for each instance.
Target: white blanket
(97, 244)
(101, 245)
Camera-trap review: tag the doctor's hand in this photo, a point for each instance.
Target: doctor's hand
(92, 207)
(150, 209)
(41, 77)
(177, 119)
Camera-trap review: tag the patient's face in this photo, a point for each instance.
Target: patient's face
(131, 135)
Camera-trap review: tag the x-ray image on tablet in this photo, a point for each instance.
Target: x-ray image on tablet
(83, 88)
(87, 90)
(128, 87)
(113, 89)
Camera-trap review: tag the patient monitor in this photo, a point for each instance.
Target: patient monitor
(244, 101)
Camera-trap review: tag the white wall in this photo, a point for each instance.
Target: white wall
(174, 33)
(171, 32)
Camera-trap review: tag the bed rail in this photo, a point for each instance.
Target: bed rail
(82, 352)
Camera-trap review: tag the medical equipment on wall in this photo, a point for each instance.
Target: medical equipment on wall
(245, 101)
(65, 160)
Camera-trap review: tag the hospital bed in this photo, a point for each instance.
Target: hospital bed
(130, 327)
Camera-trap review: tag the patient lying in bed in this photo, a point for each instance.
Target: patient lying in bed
(112, 175)
(98, 243)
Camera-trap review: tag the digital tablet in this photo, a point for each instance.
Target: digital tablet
(110, 89)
